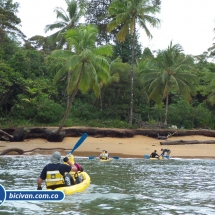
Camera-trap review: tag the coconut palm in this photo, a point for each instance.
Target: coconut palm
(85, 62)
(127, 15)
(170, 70)
(67, 20)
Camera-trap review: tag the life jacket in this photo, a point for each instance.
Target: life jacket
(54, 178)
(103, 156)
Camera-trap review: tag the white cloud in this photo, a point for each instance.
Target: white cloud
(35, 15)
(187, 22)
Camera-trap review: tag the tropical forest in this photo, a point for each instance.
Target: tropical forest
(96, 73)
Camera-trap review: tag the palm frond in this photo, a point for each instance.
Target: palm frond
(106, 50)
(123, 32)
(60, 73)
(62, 53)
(61, 13)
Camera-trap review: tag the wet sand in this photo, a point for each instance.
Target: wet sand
(134, 147)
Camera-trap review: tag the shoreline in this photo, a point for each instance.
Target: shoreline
(134, 147)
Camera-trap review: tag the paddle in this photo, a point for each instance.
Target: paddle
(80, 141)
(92, 157)
(115, 157)
(146, 156)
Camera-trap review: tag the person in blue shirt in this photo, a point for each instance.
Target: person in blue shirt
(165, 152)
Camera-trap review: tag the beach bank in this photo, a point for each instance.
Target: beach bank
(134, 147)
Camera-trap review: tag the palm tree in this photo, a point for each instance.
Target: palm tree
(115, 66)
(127, 15)
(170, 70)
(85, 62)
(68, 20)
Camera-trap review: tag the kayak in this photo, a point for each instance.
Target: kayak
(83, 185)
(69, 190)
(105, 160)
(110, 158)
(160, 158)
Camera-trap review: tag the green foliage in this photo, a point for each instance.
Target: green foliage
(49, 112)
(84, 111)
(115, 123)
(124, 49)
(97, 13)
(170, 71)
(28, 96)
(66, 20)
(181, 115)
(30, 63)
(147, 54)
(8, 19)
(39, 109)
(184, 115)
(128, 14)
(203, 118)
(10, 86)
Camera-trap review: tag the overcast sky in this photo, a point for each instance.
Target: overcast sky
(187, 22)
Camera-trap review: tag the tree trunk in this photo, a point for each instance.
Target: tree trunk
(166, 110)
(68, 81)
(70, 102)
(132, 79)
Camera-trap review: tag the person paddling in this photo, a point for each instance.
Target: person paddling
(56, 174)
(154, 154)
(104, 155)
(165, 151)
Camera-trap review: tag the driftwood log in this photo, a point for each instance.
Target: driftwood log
(20, 151)
(165, 137)
(20, 134)
(183, 142)
(6, 136)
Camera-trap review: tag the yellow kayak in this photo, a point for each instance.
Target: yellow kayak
(105, 160)
(69, 190)
(160, 158)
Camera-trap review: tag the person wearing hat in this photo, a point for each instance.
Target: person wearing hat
(56, 174)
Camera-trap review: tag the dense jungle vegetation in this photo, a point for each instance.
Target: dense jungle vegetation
(97, 74)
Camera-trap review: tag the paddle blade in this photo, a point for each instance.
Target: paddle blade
(80, 141)
(115, 157)
(146, 156)
(91, 157)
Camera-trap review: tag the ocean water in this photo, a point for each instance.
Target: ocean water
(119, 187)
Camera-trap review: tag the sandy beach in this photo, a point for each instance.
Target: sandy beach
(134, 147)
